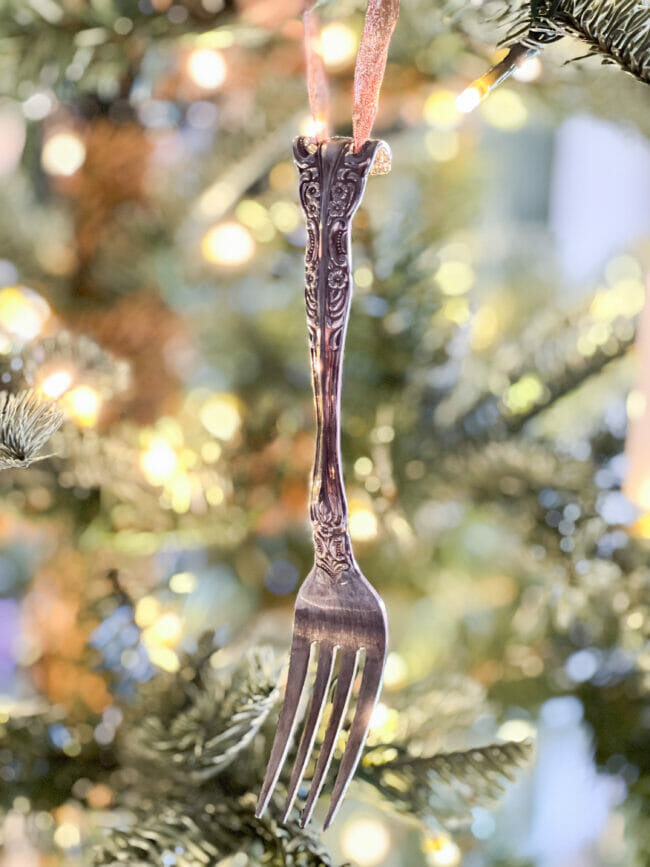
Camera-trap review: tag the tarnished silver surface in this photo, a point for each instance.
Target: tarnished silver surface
(337, 609)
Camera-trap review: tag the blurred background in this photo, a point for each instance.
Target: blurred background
(151, 250)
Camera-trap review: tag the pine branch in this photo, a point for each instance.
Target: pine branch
(618, 32)
(199, 727)
(553, 362)
(204, 830)
(27, 421)
(445, 786)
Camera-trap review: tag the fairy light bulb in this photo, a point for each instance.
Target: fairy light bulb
(228, 244)
(338, 44)
(55, 384)
(365, 841)
(207, 68)
(23, 312)
(515, 61)
(471, 98)
(83, 404)
(63, 153)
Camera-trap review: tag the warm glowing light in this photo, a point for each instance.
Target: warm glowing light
(55, 384)
(522, 395)
(365, 841)
(396, 670)
(456, 310)
(164, 658)
(207, 68)
(146, 611)
(159, 461)
(183, 582)
(379, 716)
(516, 730)
(363, 467)
(440, 110)
(442, 144)
(441, 851)
(166, 630)
(285, 216)
(470, 98)
(362, 523)
(67, 836)
(228, 244)
(63, 153)
(530, 70)
(312, 127)
(221, 417)
(505, 110)
(338, 44)
(455, 278)
(23, 313)
(83, 404)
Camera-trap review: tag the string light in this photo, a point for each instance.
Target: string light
(23, 312)
(514, 60)
(228, 244)
(207, 68)
(338, 45)
(159, 461)
(55, 384)
(362, 523)
(365, 841)
(63, 153)
(83, 404)
(167, 630)
(221, 417)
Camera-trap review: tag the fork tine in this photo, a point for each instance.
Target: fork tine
(344, 686)
(321, 684)
(298, 664)
(370, 686)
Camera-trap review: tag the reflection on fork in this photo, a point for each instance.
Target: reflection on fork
(338, 613)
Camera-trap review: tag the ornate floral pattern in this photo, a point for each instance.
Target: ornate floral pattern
(332, 182)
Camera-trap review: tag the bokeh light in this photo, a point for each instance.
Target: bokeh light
(338, 44)
(220, 415)
(63, 153)
(23, 312)
(83, 404)
(56, 383)
(229, 244)
(365, 841)
(207, 68)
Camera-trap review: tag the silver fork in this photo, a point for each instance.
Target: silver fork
(337, 610)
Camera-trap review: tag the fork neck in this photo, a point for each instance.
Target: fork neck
(332, 179)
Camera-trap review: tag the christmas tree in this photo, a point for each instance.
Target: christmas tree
(157, 431)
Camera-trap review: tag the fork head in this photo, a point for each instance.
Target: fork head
(340, 615)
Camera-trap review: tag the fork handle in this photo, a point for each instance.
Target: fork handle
(332, 180)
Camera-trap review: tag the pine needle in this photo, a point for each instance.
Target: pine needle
(445, 786)
(27, 421)
(617, 32)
